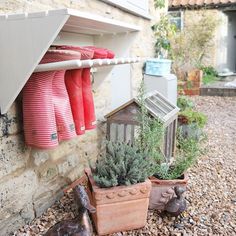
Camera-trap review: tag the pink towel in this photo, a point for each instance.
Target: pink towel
(46, 108)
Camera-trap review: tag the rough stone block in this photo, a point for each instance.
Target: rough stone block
(75, 173)
(39, 156)
(48, 172)
(70, 162)
(11, 122)
(47, 194)
(8, 226)
(16, 193)
(63, 149)
(13, 154)
(15, 221)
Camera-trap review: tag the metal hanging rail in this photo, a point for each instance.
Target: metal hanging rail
(76, 64)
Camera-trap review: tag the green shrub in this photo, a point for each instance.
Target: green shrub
(208, 79)
(123, 165)
(163, 31)
(158, 4)
(150, 140)
(194, 117)
(209, 74)
(209, 70)
(187, 154)
(151, 131)
(184, 103)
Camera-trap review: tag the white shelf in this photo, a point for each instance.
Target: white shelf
(25, 38)
(76, 64)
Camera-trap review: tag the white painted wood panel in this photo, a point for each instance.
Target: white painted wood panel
(136, 7)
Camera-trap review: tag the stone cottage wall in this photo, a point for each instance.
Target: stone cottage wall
(31, 179)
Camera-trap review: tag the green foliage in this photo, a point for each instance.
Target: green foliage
(151, 132)
(163, 31)
(192, 116)
(208, 79)
(158, 4)
(150, 140)
(123, 165)
(209, 70)
(187, 154)
(183, 103)
(209, 74)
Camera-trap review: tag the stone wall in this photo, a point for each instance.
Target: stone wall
(31, 179)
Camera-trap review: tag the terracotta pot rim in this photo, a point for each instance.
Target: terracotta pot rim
(169, 181)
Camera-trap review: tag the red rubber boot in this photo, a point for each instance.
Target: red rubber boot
(80, 91)
(63, 110)
(46, 108)
(73, 80)
(89, 111)
(101, 52)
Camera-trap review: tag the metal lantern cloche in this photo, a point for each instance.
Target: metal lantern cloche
(122, 123)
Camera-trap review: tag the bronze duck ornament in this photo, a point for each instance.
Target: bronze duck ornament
(80, 225)
(176, 205)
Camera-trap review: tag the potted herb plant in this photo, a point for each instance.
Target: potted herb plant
(166, 173)
(119, 189)
(190, 121)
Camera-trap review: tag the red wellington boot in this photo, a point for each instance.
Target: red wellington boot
(89, 112)
(79, 87)
(73, 80)
(101, 52)
(46, 108)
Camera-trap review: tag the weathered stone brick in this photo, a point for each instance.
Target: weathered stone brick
(11, 122)
(70, 162)
(75, 173)
(48, 172)
(8, 226)
(16, 193)
(63, 149)
(47, 194)
(13, 154)
(39, 156)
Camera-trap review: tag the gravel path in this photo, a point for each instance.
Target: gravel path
(211, 192)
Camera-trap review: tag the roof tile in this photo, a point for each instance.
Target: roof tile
(186, 3)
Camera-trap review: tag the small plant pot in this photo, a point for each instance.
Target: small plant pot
(163, 190)
(119, 208)
(190, 131)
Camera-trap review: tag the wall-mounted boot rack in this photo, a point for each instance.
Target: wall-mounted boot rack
(75, 64)
(25, 38)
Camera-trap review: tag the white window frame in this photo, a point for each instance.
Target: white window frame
(136, 7)
(181, 18)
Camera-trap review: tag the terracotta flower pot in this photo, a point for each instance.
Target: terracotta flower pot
(163, 190)
(119, 208)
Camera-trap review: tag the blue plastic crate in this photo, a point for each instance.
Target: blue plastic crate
(158, 67)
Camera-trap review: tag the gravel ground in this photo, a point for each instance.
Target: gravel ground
(211, 191)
